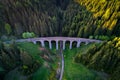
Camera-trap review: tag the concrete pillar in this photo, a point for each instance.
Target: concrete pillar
(50, 45)
(56, 45)
(78, 44)
(70, 47)
(86, 43)
(42, 43)
(64, 45)
(34, 42)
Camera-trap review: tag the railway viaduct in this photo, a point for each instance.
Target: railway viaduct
(59, 39)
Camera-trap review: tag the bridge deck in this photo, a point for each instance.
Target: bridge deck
(60, 39)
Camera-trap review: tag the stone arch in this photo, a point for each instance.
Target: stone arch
(91, 42)
(82, 43)
(87, 42)
(74, 44)
(46, 42)
(38, 43)
(34, 42)
(61, 44)
(67, 44)
(42, 43)
(53, 42)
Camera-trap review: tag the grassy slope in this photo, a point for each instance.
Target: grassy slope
(42, 73)
(31, 48)
(74, 71)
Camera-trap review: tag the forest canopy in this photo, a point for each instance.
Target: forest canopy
(79, 18)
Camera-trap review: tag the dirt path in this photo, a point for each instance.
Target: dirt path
(62, 61)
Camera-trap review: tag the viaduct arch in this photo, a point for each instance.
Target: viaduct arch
(58, 39)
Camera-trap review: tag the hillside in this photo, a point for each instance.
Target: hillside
(95, 19)
(54, 18)
(20, 62)
(106, 15)
(104, 57)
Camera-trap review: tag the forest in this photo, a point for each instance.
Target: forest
(93, 19)
(103, 57)
(63, 18)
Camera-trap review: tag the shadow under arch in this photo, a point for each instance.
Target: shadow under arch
(67, 44)
(82, 43)
(46, 44)
(60, 44)
(74, 44)
(38, 43)
(53, 42)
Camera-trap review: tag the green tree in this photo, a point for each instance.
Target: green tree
(8, 28)
(81, 31)
(28, 35)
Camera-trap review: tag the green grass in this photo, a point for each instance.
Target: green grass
(31, 49)
(76, 71)
(72, 71)
(41, 74)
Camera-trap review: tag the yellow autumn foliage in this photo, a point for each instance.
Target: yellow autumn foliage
(113, 24)
(107, 14)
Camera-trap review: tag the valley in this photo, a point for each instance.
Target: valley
(59, 39)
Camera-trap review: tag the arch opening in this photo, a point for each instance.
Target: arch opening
(60, 44)
(67, 44)
(38, 43)
(74, 44)
(46, 44)
(82, 43)
(53, 44)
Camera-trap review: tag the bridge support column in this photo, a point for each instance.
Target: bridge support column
(34, 42)
(78, 44)
(64, 45)
(86, 43)
(70, 45)
(56, 45)
(42, 43)
(50, 45)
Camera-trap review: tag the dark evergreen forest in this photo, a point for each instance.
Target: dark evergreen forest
(104, 57)
(99, 19)
(79, 18)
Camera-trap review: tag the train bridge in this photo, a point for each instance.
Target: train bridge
(42, 40)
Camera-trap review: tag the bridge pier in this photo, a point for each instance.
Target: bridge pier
(78, 44)
(57, 39)
(70, 47)
(34, 42)
(42, 43)
(64, 45)
(50, 45)
(86, 43)
(56, 45)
